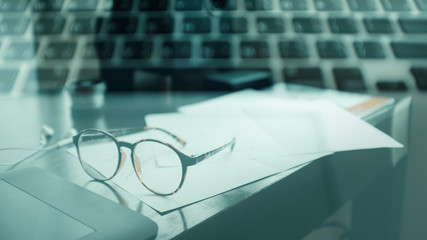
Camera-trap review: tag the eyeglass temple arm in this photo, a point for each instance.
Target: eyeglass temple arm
(178, 139)
(202, 157)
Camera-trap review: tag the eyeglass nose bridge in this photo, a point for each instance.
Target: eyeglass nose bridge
(123, 154)
(121, 144)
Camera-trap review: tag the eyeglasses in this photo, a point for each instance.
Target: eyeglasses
(160, 166)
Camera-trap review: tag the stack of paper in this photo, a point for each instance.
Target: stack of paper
(272, 135)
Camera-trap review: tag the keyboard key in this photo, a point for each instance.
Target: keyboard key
(82, 5)
(117, 5)
(304, 76)
(293, 49)
(49, 25)
(396, 5)
(270, 25)
(60, 50)
(378, 25)
(197, 25)
(85, 26)
(176, 50)
(233, 25)
(137, 50)
(413, 25)
(7, 79)
(420, 75)
(421, 4)
(48, 79)
(153, 5)
(331, 49)
(408, 50)
(369, 50)
(161, 25)
(98, 50)
(254, 49)
(307, 25)
(225, 5)
(328, 5)
(20, 50)
(47, 5)
(258, 5)
(188, 5)
(216, 49)
(13, 26)
(121, 25)
(13, 5)
(362, 5)
(342, 25)
(349, 79)
(391, 86)
(293, 5)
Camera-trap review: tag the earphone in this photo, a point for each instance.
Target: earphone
(46, 134)
(67, 139)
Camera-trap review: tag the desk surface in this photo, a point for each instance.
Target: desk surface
(369, 181)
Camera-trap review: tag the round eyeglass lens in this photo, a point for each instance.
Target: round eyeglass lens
(158, 167)
(98, 154)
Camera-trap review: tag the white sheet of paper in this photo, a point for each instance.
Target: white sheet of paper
(300, 127)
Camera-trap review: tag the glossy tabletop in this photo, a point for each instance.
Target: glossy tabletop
(368, 185)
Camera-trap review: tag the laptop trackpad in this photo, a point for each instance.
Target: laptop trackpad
(29, 217)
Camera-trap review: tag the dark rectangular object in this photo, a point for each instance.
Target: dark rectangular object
(197, 25)
(413, 25)
(159, 25)
(293, 49)
(233, 25)
(188, 5)
(349, 79)
(378, 25)
(369, 50)
(216, 49)
(237, 80)
(420, 75)
(150, 5)
(37, 204)
(254, 49)
(391, 86)
(342, 25)
(396, 5)
(328, 5)
(258, 5)
(82, 5)
(121, 25)
(47, 5)
(307, 25)
(304, 76)
(331, 49)
(293, 5)
(49, 25)
(270, 25)
(362, 5)
(410, 49)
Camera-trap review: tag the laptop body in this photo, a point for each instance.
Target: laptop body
(349, 45)
(35, 204)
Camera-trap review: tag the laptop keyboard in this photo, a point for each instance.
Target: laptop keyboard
(350, 45)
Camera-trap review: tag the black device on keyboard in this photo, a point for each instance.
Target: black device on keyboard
(352, 45)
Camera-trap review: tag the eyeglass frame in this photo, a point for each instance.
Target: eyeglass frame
(186, 160)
